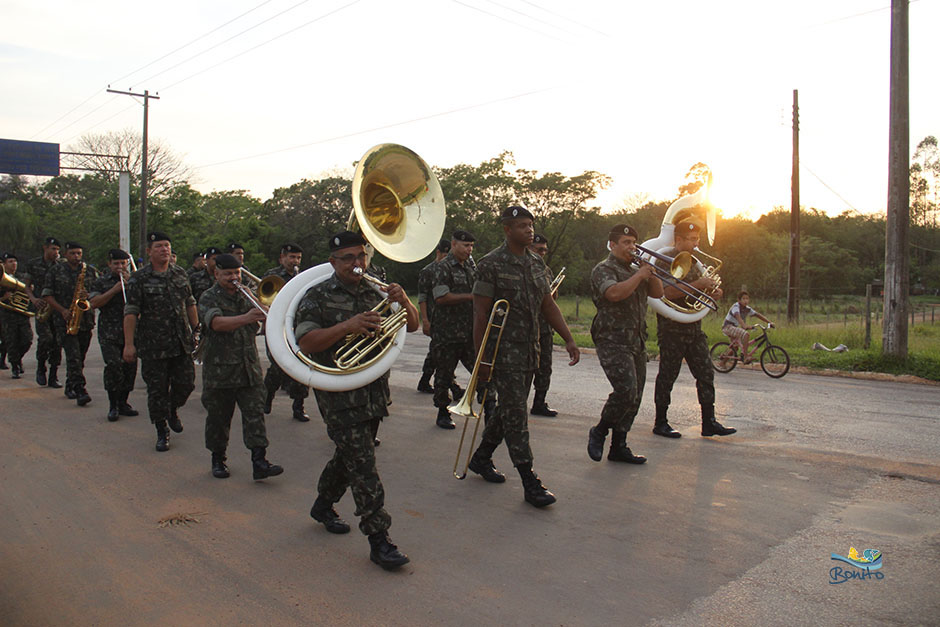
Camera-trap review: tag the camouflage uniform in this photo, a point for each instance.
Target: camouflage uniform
(619, 333)
(119, 375)
(425, 285)
(522, 281)
(17, 336)
(231, 372)
(678, 340)
(48, 348)
(163, 338)
(452, 325)
(60, 283)
(543, 375)
(275, 378)
(349, 416)
(199, 282)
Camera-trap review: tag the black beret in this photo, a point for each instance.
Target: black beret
(463, 236)
(73, 246)
(235, 246)
(291, 248)
(540, 239)
(197, 255)
(212, 250)
(443, 246)
(158, 236)
(622, 229)
(116, 253)
(689, 225)
(511, 213)
(225, 261)
(51, 241)
(9, 256)
(346, 239)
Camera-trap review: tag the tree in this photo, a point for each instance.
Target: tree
(925, 182)
(20, 227)
(695, 178)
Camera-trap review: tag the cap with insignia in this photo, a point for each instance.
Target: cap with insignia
(463, 236)
(689, 225)
(345, 240)
(73, 246)
(197, 255)
(443, 246)
(619, 230)
(116, 253)
(225, 261)
(8, 256)
(51, 241)
(540, 239)
(511, 213)
(158, 236)
(212, 251)
(291, 248)
(233, 246)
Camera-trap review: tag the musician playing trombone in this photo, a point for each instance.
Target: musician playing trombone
(543, 375)
(334, 308)
(620, 290)
(685, 340)
(107, 295)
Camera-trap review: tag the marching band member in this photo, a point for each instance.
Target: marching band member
(48, 349)
(17, 336)
(426, 309)
(543, 375)
(199, 282)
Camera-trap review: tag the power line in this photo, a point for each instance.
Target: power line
(505, 19)
(66, 114)
(100, 122)
(99, 107)
(531, 17)
(567, 19)
(826, 185)
(860, 14)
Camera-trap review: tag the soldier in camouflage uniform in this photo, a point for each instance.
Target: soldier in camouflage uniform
(682, 340)
(543, 375)
(17, 336)
(107, 296)
(274, 379)
(232, 370)
(619, 291)
(59, 290)
(48, 349)
(159, 319)
(452, 324)
(515, 273)
(199, 282)
(426, 309)
(199, 264)
(329, 311)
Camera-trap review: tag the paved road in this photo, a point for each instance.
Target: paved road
(736, 530)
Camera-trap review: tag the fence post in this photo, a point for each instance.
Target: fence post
(867, 316)
(577, 307)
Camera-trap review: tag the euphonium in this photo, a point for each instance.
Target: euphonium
(19, 301)
(79, 304)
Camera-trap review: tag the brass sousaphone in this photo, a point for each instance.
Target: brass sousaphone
(399, 208)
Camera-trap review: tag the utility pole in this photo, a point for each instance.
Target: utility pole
(897, 262)
(793, 285)
(143, 167)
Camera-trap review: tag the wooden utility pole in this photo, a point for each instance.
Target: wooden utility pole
(143, 168)
(793, 285)
(897, 262)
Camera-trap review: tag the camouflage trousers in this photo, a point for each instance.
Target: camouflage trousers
(75, 347)
(673, 348)
(220, 405)
(17, 336)
(625, 367)
(48, 348)
(275, 379)
(543, 375)
(446, 358)
(428, 368)
(119, 376)
(169, 382)
(353, 467)
(510, 421)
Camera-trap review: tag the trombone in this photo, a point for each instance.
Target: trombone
(679, 267)
(265, 289)
(556, 282)
(465, 406)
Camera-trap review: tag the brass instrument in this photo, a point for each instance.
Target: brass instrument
(254, 300)
(19, 301)
(679, 267)
(464, 407)
(79, 304)
(556, 282)
(265, 290)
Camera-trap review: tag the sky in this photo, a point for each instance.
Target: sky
(259, 94)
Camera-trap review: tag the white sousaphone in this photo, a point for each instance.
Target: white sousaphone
(399, 208)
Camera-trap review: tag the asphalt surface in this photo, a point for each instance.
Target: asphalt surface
(724, 531)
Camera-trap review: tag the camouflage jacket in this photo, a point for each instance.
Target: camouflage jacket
(452, 323)
(544, 327)
(111, 315)
(668, 325)
(624, 321)
(425, 285)
(199, 282)
(522, 281)
(36, 268)
(230, 359)
(161, 300)
(60, 284)
(324, 305)
(279, 271)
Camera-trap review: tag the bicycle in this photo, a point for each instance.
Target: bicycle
(774, 360)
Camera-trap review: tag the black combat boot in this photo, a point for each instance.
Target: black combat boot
(710, 426)
(540, 407)
(53, 381)
(41, 374)
(424, 385)
(456, 391)
(262, 467)
(124, 408)
(620, 452)
(299, 414)
(444, 420)
(595, 447)
(323, 512)
(662, 426)
(16, 370)
(384, 553)
(70, 392)
(269, 400)
(3, 361)
(219, 469)
(535, 492)
(163, 437)
(82, 397)
(484, 467)
(174, 421)
(112, 406)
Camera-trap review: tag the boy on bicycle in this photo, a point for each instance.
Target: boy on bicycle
(736, 327)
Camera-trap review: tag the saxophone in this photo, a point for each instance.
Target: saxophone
(79, 305)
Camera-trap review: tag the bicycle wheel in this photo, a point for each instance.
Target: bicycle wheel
(774, 361)
(723, 358)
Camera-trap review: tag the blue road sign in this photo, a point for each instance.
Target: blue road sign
(22, 157)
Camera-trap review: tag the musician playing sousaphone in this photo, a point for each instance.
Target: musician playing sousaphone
(14, 317)
(330, 311)
(108, 295)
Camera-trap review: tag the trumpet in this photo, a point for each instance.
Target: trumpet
(556, 282)
(464, 407)
(679, 267)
